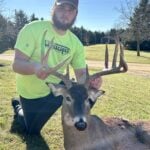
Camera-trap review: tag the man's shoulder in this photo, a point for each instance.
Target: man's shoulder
(36, 27)
(38, 23)
(74, 37)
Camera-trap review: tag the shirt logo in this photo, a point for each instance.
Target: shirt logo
(57, 47)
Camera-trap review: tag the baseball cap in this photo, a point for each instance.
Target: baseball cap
(74, 3)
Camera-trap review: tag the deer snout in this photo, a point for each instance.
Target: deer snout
(81, 125)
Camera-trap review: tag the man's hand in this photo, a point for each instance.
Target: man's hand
(41, 71)
(96, 83)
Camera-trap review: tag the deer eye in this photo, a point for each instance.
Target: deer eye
(68, 98)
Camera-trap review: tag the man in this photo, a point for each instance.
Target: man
(37, 103)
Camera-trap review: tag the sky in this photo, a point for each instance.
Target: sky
(94, 15)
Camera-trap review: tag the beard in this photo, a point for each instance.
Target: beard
(62, 26)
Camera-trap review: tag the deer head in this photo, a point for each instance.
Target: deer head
(77, 102)
(79, 98)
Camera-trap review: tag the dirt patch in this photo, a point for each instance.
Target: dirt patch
(7, 57)
(133, 68)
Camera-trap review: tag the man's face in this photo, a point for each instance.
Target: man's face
(64, 16)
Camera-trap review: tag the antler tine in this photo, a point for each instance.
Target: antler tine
(106, 57)
(122, 63)
(53, 70)
(42, 48)
(67, 72)
(115, 55)
(87, 77)
(44, 57)
(64, 78)
(120, 69)
(87, 72)
(45, 61)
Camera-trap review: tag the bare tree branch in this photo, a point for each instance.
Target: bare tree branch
(1, 6)
(126, 11)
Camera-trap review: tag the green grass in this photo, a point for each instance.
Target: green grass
(126, 96)
(96, 52)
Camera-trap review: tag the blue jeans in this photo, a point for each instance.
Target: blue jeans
(36, 112)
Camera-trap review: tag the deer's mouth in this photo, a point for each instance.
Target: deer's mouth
(80, 124)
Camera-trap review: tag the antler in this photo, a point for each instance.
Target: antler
(44, 57)
(122, 67)
(53, 70)
(64, 78)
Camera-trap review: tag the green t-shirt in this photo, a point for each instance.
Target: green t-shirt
(30, 42)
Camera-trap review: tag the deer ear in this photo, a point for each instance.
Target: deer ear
(99, 93)
(57, 89)
(94, 94)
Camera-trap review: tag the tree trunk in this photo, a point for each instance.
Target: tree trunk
(138, 43)
(138, 48)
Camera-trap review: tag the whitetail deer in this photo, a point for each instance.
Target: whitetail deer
(83, 131)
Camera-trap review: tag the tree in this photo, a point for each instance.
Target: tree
(7, 34)
(88, 37)
(33, 18)
(136, 15)
(126, 11)
(20, 20)
(2, 31)
(140, 24)
(10, 34)
(1, 6)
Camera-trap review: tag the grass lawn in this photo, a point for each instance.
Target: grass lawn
(127, 96)
(96, 52)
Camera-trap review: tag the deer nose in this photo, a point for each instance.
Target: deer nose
(81, 125)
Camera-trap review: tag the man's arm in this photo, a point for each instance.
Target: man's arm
(80, 75)
(23, 66)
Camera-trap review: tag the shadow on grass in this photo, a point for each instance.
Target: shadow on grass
(33, 142)
(2, 65)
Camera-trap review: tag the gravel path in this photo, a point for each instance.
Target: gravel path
(134, 68)
(6, 57)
